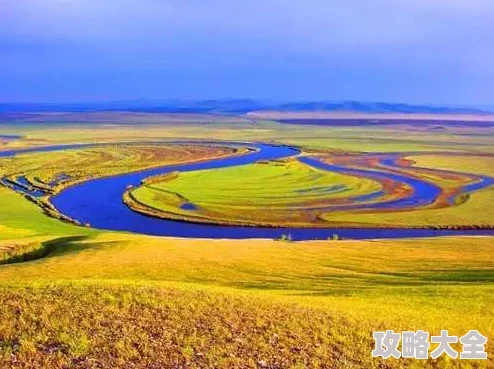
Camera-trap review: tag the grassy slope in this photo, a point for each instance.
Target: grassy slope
(222, 302)
(472, 164)
(20, 218)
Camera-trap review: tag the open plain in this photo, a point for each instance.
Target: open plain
(78, 291)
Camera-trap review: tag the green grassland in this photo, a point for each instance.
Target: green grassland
(74, 297)
(44, 171)
(274, 193)
(295, 194)
(477, 210)
(20, 218)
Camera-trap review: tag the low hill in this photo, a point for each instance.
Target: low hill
(239, 106)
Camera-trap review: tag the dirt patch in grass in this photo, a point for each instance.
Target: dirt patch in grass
(104, 326)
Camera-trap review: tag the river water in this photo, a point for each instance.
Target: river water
(98, 202)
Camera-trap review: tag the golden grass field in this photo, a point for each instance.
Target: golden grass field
(226, 303)
(49, 129)
(79, 164)
(75, 297)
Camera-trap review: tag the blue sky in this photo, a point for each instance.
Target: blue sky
(415, 51)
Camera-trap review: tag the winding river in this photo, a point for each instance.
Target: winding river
(98, 202)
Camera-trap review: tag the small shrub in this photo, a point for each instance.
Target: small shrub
(461, 199)
(285, 237)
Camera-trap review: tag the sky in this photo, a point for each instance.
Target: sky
(412, 51)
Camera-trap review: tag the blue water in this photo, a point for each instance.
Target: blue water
(482, 181)
(188, 206)
(10, 137)
(23, 186)
(99, 203)
(10, 153)
(438, 124)
(27, 188)
(424, 193)
(369, 197)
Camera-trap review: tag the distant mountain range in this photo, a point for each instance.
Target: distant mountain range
(237, 106)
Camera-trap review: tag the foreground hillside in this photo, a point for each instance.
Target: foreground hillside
(97, 299)
(118, 325)
(145, 302)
